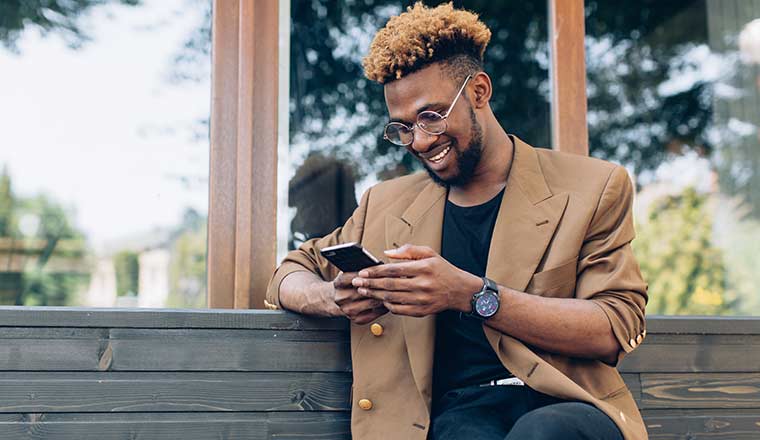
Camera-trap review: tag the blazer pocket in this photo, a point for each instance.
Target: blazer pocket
(557, 281)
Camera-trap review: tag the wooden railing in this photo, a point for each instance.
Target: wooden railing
(102, 374)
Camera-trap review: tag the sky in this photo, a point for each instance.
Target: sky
(103, 129)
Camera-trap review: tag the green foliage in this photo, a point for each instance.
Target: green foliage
(59, 16)
(47, 238)
(187, 268)
(6, 204)
(685, 271)
(127, 267)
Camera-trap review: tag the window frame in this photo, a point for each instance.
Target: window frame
(242, 226)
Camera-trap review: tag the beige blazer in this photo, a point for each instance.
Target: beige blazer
(563, 230)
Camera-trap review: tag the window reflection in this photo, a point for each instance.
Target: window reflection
(673, 95)
(337, 116)
(104, 158)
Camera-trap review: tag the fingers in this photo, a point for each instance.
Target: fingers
(355, 308)
(343, 280)
(369, 315)
(411, 252)
(406, 310)
(391, 284)
(407, 269)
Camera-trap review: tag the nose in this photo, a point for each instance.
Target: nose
(422, 140)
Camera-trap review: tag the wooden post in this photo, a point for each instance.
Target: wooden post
(568, 76)
(243, 196)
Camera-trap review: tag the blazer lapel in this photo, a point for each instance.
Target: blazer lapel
(421, 224)
(528, 217)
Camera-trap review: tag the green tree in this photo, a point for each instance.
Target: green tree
(127, 267)
(6, 204)
(43, 283)
(685, 271)
(57, 16)
(187, 266)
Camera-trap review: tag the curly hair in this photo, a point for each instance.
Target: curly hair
(422, 36)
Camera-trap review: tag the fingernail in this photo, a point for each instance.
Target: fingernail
(362, 291)
(363, 274)
(391, 251)
(356, 282)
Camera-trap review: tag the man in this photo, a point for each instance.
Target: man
(510, 290)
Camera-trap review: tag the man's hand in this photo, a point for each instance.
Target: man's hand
(358, 308)
(423, 285)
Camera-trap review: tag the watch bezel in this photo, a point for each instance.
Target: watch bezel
(489, 288)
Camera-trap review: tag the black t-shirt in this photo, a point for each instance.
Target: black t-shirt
(463, 355)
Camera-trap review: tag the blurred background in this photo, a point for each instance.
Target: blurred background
(104, 109)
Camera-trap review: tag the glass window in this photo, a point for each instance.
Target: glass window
(334, 147)
(104, 157)
(673, 94)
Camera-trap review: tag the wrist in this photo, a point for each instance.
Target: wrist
(471, 286)
(328, 300)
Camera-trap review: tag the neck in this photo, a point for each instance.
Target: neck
(490, 176)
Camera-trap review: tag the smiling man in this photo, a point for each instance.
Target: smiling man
(510, 290)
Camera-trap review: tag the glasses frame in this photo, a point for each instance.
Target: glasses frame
(443, 117)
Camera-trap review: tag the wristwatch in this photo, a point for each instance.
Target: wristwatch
(485, 303)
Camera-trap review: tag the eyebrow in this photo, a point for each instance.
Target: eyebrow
(422, 109)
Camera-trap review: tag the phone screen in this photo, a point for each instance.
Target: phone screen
(350, 257)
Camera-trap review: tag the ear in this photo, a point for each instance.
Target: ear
(481, 90)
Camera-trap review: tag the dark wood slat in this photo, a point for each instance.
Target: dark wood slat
(633, 383)
(51, 348)
(704, 325)
(695, 354)
(78, 349)
(228, 350)
(47, 392)
(181, 426)
(163, 318)
(702, 424)
(705, 390)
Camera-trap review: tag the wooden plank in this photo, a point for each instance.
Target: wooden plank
(695, 354)
(256, 212)
(704, 325)
(164, 318)
(222, 173)
(38, 392)
(703, 424)
(55, 349)
(567, 72)
(704, 390)
(184, 426)
(633, 383)
(228, 350)
(51, 349)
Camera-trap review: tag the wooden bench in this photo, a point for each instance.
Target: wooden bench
(164, 374)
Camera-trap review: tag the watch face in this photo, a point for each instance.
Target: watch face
(487, 304)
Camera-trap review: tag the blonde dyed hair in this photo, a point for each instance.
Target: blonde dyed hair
(422, 36)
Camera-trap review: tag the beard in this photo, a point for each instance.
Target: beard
(466, 160)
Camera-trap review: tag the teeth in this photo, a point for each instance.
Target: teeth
(439, 156)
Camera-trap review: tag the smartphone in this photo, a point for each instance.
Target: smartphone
(350, 257)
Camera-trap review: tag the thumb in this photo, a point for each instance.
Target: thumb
(410, 252)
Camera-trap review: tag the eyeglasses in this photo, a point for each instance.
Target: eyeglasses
(432, 123)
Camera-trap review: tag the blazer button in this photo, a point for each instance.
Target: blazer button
(376, 329)
(365, 404)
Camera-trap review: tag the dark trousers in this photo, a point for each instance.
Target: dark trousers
(514, 412)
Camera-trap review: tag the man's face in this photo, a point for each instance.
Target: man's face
(450, 158)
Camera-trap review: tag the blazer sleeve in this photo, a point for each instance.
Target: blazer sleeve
(608, 273)
(308, 258)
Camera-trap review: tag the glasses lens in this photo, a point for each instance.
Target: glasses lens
(431, 122)
(398, 133)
